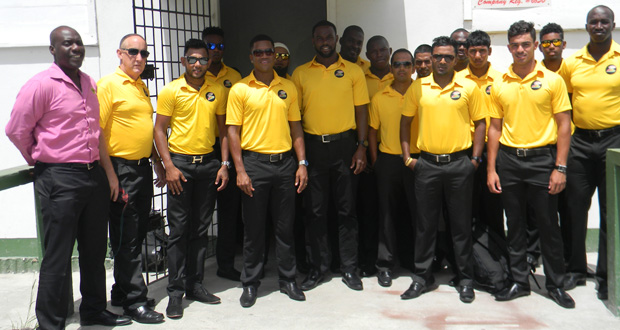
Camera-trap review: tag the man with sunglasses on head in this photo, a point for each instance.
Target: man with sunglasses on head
(460, 37)
(446, 104)
(422, 61)
(333, 98)
(126, 118)
(593, 79)
(395, 182)
(229, 199)
(264, 126)
(282, 60)
(191, 106)
(527, 151)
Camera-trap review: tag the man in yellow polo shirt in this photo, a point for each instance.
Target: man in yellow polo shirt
(351, 45)
(126, 118)
(395, 182)
(593, 79)
(528, 146)
(446, 104)
(191, 106)
(282, 60)
(379, 74)
(462, 59)
(423, 64)
(263, 126)
(333, 98)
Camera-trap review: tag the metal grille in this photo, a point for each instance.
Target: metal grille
(166, 25)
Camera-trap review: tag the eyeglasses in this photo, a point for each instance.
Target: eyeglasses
(555, 42)
(263, 52)
(135, 51)
(193, 60)
(406, 65)
(281, 56)
(461, 44)
(439, 57)
(212, 46)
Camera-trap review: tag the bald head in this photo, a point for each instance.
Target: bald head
(122, 44)
(67, 48)
(57, 33)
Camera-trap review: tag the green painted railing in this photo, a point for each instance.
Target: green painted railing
(613, 230)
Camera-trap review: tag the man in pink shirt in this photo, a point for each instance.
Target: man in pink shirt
(55, 125)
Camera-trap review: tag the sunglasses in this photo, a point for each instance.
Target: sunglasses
(213, 46)
(281, 56)
(555, 42)
(135, 51)
(406, 65)
(263, 52)
(447, 58)
(193, 60)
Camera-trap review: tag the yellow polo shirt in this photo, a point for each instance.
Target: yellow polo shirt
(444, 114)
(328, 96)
(595, 87)
(484, 83)
(365, 65)
(192, 115)
(386, 108)
(528, 107)
(376, 84)
(263, 112)
(126, 115)
(226, 77)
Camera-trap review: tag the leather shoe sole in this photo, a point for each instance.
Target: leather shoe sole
(562, 298)
(144, 314)
(106, 318)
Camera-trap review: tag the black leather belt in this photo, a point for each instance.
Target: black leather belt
(443, 158)
(194, 159)
(597, 133)
(525, 152)
(327, 138)
(140, 162)
(77, 166)
(271, 158)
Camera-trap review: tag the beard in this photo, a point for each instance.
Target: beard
(330, 54)
(281, 71)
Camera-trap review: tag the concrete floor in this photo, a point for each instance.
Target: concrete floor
(333, 306)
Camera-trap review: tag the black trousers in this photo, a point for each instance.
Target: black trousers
(434, 183)
(525, 181)
(189, 216)
(74, 204)
(367, 205)
(329, 170)
(274, 191)
(586, 172)
(128, 226)
(397, 209)
(487, 207)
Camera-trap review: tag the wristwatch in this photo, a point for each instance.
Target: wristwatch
(363, 143)
(561, 168)
(227, 163)
(303, 162)
(477, 159)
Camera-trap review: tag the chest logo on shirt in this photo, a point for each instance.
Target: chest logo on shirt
(536, 85)
(488, 90)
(227, 83)
(210, 96)
(455, 95)
(610, 69)
(282, 94)
(93, 90)
(339, 73)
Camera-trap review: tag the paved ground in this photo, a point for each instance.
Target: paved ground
(333, 306)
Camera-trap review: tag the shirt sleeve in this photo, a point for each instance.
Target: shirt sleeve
(166, 101)
(373, 113)
(106, 103)
(477, 106)
(293, 112)
(222, 101)
(360, 89)
(565, 72)
(411, 103)
(234, 108)
(495, 107)
(297, 81)
(559, 99)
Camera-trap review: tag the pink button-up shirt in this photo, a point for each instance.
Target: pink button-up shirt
(53, 122)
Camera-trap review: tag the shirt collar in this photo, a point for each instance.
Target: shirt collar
(388, 76)
(206, 84)
(339, 62)
(57, 73)
(469, 74)
(127, 78)
(539, 71)
(428, 80)
(276, 79)
(583, 53)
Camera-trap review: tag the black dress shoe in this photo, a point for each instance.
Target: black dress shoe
(311, 281)
(562, 298)
(292, 290)
(352, 281)
(512, 292)
(201, 294)
(229, 274)
(572, 280)
(144, 314)
(466, 294)
(106, 318)
(175, 308)
(248, 297)
(415, 290)
(384, 278)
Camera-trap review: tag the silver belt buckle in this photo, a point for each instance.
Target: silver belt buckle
(275, 158)
(197, 159)
(323, 138)
(521, 152)
(445, 158)
(90, 166)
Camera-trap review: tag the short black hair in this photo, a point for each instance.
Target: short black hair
(521, 27)
(120, 44)
(324, 23)
(478, 38)
(260, 37)
(401, 50)
(194, 44)
(552, 28)
(444, 41)
(212, 30)
(352, 28)
(376, 39)
(459, 30)
(423, 48)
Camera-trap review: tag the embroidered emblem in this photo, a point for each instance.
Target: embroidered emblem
(455, 95)
(610, 69)
(488, 90)
(339, 73)
(536, 85)
(227, 83)
(282, 94)
(210, 96)
(93, 90)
